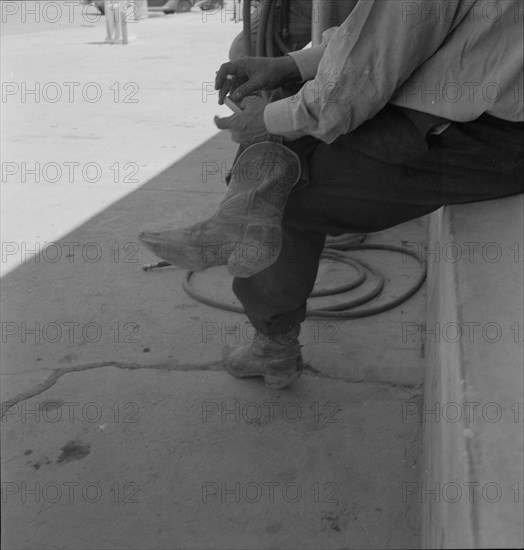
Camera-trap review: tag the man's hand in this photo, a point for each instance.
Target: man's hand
(249, 75)
(248, 126)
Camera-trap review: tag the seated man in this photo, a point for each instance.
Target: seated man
(407, 106)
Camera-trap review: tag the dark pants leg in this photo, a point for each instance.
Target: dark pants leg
(388, 171)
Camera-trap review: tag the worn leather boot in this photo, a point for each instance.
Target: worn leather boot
(245, 232)
(278, 360)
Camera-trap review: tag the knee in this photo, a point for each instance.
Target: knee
(237, 50)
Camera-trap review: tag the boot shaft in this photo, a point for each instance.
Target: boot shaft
(268, 169)
(278, 344)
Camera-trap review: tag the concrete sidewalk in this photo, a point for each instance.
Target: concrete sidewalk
(121, 429)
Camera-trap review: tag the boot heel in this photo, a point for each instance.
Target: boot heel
(280, 374)
(260, 248)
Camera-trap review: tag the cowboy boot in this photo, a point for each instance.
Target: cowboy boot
(278, 360)
(245, 232)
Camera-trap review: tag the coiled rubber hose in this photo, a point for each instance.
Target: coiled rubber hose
(342, 310)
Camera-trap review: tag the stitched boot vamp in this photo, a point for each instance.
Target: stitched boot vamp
(200, 246)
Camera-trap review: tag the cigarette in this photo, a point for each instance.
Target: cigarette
(232, 105)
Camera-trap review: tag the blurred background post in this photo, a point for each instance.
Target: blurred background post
(121, 18)
(141, 9)
(323, 17)
(239, 6)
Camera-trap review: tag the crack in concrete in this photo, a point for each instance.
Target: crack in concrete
(308, 369)
(57, 374)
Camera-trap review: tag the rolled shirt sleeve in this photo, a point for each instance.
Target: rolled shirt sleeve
(360, 66)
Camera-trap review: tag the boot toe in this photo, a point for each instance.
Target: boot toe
(240, 366)
(278, 373)
(177, 248)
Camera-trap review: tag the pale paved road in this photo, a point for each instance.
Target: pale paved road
(30, 16)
